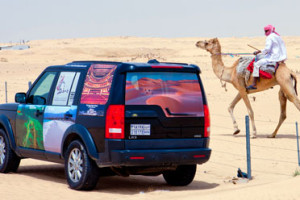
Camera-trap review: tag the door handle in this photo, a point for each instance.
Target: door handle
(38, 113)
(68, 116)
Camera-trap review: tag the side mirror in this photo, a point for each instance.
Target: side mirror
(20, 97)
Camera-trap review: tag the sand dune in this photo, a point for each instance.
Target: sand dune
(274, 161)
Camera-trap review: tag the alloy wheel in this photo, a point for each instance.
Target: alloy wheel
(2, 151)
(75, 165)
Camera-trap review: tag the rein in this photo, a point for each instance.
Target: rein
(233, 54)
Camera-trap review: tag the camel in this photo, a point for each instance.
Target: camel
(283, 77)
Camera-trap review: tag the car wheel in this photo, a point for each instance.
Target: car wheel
(81, 171)
(9, 161)
(182, 176)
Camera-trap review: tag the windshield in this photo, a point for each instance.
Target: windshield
(178, 94)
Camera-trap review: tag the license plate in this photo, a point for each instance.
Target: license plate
(140, 129)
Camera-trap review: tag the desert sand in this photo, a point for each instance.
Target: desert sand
(274, 161)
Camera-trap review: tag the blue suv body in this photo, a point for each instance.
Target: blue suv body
(100, 117)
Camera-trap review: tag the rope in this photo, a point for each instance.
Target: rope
(256, 120)
(223, 85)
(234, 54)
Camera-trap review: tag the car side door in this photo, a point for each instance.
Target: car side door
(60, 114)
(29, 119)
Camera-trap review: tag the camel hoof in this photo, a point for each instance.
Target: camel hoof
(236, 132)
(271, 136)
(253, 136)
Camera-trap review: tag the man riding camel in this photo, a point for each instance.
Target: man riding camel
(274, 51)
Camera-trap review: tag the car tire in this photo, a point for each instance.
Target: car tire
(81, 171)
(9, 161)
(182, 176)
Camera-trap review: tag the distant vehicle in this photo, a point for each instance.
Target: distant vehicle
(15, 47)
(110, 118)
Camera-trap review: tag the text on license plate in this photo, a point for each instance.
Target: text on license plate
(140, 129)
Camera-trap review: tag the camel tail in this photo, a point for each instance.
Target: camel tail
(293, 76)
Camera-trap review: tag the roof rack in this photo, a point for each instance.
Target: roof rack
(154, 61)
(92, 62)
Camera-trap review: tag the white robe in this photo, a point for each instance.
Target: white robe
(274, 51)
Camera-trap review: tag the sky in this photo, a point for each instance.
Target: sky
(60, 19)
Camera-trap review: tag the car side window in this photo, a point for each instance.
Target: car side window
(65, 88)
(40, 92)
(97, 84)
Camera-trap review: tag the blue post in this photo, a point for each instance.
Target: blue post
(248, 148)
(5, 92)
(298, 143)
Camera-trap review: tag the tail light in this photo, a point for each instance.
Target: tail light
(206, 121)
(114, 125)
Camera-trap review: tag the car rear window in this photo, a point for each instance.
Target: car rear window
(178, 94)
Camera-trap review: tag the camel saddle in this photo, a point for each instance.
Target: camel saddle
(266, 72)
(245, 68)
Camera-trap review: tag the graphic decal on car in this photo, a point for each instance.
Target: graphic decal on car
(97, 84)
(65, 88)
(92, 110)
(30, 127)
(178, 94)
(56, 121)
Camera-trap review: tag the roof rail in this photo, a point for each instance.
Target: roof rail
(153, 61)
(175, 63)
(92, 62)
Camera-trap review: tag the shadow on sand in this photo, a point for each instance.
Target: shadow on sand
(113, 184)
(263, 135)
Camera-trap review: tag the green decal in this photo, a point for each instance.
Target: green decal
(30, 126)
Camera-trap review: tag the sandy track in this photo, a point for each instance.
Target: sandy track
(273, 160)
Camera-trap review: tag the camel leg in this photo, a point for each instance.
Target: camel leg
(291, 94)
(251, 114)
(282, 100)
(284, 79)
(230, 110)
(295, 101)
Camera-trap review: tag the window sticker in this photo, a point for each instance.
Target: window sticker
(140, 129)
(62, 89)
(97, 84)
(73, 90)
(178, 94)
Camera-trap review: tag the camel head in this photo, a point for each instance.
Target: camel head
(213, 45)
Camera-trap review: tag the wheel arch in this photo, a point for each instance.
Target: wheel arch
(79, 132)
(6, 126)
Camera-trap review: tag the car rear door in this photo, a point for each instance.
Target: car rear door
(163, 105)
(61, 114)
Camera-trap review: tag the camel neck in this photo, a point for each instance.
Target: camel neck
(222, 72)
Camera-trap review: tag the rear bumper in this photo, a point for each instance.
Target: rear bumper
(163, 157)
(156, 152)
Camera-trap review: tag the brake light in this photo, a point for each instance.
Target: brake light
(199, 156)
(206, 121)
(114, 125)
(137, 158)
